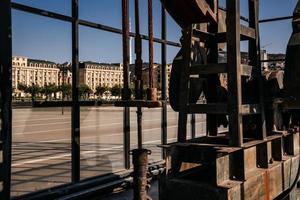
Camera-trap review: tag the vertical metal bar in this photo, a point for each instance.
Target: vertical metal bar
(234, 72)
(126, 131)
(163, 70)
(184, 87)
(213, 80)
(138, 52)
(193, 125)
(138, 73)
(254, 56)
(5, 96)
(75, 106)
(125, 36)
(126, 91)
(150, 34)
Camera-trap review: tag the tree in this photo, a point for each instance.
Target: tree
(84, 91)
(100, 90)
(66, 90)
(48, 90)
(22, 87)
(33, 90)
(116, 90)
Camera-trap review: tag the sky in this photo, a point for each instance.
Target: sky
(48, 39)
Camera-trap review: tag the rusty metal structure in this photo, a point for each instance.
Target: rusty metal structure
(249, 161)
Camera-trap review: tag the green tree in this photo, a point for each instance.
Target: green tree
(84, 91)
(22, 87)
(100, 90)
(116, 90)
(48, 90)
(33, 90)
(66, 90)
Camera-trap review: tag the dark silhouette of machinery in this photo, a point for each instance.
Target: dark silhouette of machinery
(258, 158)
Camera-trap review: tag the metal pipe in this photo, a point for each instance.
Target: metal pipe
(5, 96)
(138, 52)
(193, 126)
(75, 106)
(163, 77)
(125, 35)
(126, 132)
(139, 114)
(275, 19)
(140, 168)
(150, 35)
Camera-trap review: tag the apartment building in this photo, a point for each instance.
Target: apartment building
(100, 74)
(33, 72)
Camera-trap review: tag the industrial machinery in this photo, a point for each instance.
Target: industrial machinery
(258, 157)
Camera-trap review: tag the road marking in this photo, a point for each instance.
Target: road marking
(117, 134)
(82, 153)
(66, 129)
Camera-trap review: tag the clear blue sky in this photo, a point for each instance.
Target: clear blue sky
(42, 38)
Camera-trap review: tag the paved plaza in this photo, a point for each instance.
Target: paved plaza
(42, 143)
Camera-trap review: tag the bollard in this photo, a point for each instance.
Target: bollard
(140, 168)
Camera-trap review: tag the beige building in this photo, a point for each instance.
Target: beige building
(157, 76)
(100, 74)
(33, 72)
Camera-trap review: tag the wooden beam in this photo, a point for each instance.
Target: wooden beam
(213, 68)
(254, 58)
(234, 73)
(184, 79)
(248, 32)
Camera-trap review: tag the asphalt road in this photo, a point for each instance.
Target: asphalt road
(42, 151)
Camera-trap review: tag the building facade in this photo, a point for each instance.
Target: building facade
(33, 72)
(157, 76)
(100, 74)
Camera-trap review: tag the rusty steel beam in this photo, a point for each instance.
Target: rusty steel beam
(151, 91)
(140, 168)
(150, 35)
(126, 93)
(75, 140)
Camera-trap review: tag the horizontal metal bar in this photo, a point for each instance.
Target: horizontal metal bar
(275, 19)
(263, 20)
(40, 12)
(94, 25)
(210, 68)
(69, 188)
(273, 60)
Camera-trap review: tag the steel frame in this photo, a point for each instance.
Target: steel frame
(6, 87)
(5, 98)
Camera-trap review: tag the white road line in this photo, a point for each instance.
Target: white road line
(69, 154)
(117, 134)
(41, 119)
(29, 125)
(66, 129)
